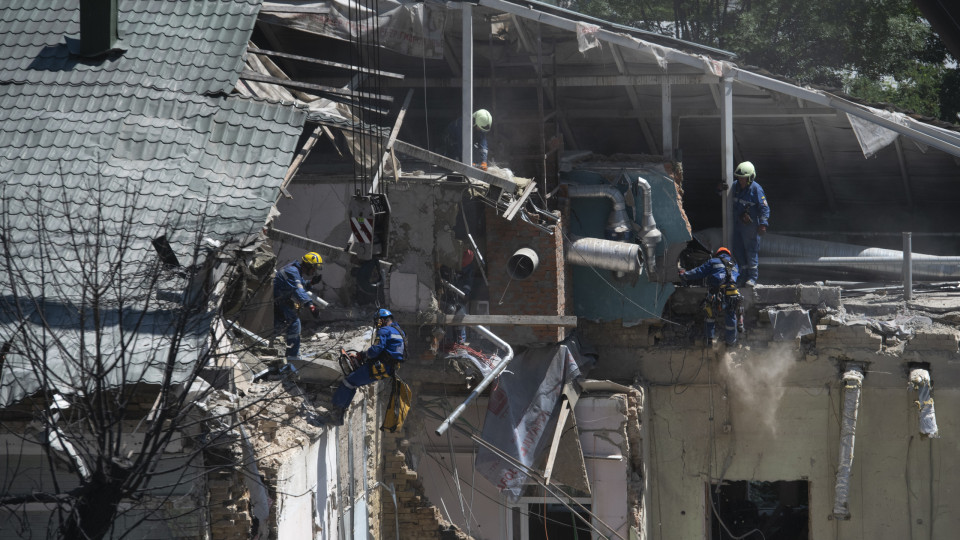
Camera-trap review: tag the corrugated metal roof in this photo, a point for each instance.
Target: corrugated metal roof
(99, 159)
(194, 46)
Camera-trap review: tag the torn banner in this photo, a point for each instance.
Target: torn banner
(522, 410)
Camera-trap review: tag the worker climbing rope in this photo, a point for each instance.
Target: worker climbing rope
(720, 273)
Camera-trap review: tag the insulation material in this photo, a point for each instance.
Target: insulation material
(873, 137)
(853, 383)
(789, 324)
(587, 36)
(920, 381)
(521, 409)
(413, 28)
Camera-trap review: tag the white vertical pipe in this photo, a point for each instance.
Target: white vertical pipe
(852, 384)
(666, 118)
(907, 267)
(466, 107)
(726, 142)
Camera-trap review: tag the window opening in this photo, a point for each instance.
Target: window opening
(766, 510)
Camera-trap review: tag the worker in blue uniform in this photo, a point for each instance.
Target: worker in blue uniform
(453, 137)
(720, 273)
(751, 216)
(290, 292)
(382, 360)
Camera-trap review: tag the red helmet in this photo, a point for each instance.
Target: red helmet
(723, 250)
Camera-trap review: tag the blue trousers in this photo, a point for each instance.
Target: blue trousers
(361, 376)
(729, 321)
(287, 320)
(746, 249)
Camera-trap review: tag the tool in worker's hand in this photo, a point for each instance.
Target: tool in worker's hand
(745, 218)
(350, 360)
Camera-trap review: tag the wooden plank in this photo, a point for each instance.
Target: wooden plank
(297, 161)
(349, 67)
(557, 433)
(307, 243)
(515, 206)
(566, 321)
(334, 94)
(393, 138)
(455, 166)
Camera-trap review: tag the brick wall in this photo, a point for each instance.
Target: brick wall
(543, 293)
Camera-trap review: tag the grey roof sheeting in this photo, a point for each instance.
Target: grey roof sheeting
(113, 155)
(187, 46)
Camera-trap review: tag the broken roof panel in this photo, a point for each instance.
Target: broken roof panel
(186, 46)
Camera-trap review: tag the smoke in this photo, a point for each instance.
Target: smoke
(755, 382)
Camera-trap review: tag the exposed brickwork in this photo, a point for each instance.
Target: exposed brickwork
(543, 293)
(416, 516)
(228, 502)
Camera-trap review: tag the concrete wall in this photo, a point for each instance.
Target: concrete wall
(422, 221)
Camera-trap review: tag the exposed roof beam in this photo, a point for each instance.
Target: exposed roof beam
(928, 135)
(634, 100)
(625, 41)
(455, 166)
(275, 54)
(594, 80)
(739, 113)
(329, 92)
(818, 157)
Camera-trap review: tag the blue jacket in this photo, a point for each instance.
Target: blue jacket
(715, 271)
(454, 139)
(751, 200)
(389, 342)
(289, 284)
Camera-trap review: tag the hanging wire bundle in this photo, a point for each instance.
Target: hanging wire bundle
(367, 113)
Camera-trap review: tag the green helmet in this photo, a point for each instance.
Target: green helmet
(482, 120)
(746, 169)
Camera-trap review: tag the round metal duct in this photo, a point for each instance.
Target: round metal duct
(522, 263)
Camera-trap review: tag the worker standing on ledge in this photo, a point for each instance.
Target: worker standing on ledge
(290, 292)
(721, 275)
(382, 360)
(453, 138)
(751, 215)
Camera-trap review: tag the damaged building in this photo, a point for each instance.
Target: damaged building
(561, 384)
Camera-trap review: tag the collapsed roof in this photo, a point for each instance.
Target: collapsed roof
(101, 156)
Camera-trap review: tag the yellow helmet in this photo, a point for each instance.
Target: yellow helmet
(312, 258)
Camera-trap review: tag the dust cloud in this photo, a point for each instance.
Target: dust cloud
(755, 382)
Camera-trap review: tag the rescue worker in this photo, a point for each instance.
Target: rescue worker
(290, 293)
(751, 215)
(721, 273)
(453, 137)
(381, 361)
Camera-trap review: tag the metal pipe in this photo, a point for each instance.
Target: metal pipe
(907, 267)
(466, 88)
(650, 236)
(604, 254)
(453, 288)
(920, 381)
(853, 383)
(618, 221)
(494, 373)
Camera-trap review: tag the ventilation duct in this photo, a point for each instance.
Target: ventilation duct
(852, 385)
(604, 254)
(618, 223)
(649, 234)
(522, 264)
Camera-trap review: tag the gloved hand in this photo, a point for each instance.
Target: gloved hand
(762, 230)
(315, 311)
(721, 187)
(316, 279)
(745, 218)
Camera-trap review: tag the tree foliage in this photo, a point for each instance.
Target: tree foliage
(881, 50)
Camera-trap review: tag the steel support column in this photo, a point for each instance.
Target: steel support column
(466, 108)
(726, 143)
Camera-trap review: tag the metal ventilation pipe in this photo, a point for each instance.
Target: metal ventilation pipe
(605, 254)
(852, 385)
(920, 381)
(650, 236)
(494, 373)
(522, 264)
(618, 223)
